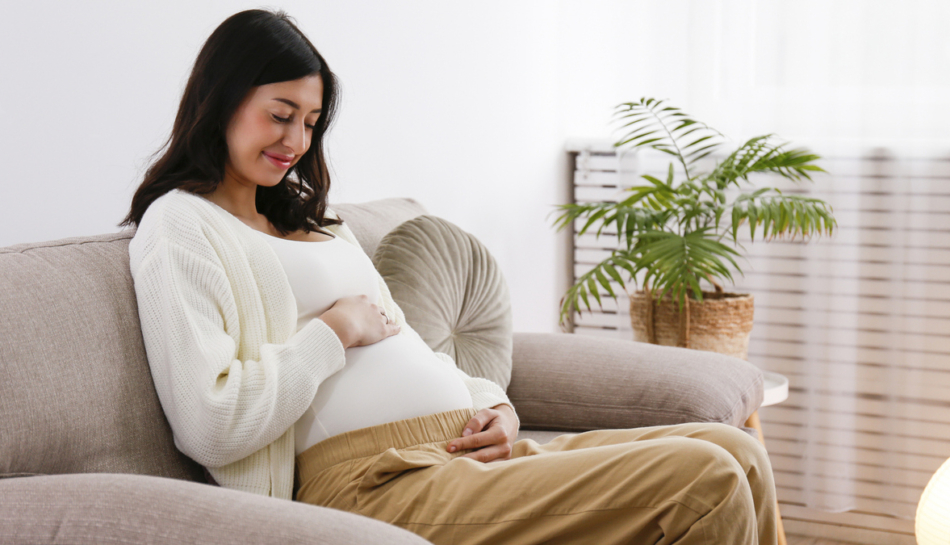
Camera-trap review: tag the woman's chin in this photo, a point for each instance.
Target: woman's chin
(268, 181)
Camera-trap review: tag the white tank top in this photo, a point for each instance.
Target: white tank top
(394, 379)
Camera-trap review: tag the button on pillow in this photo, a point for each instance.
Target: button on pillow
(452, 293)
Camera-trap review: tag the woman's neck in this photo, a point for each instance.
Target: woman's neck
(238, 199)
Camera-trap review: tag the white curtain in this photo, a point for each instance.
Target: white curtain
(860, 323)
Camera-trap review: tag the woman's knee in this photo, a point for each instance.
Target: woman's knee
(747, 450)
(719, 482)
(706, 459)
(713, 474)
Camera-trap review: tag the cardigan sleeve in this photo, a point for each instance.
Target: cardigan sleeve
(221, 409)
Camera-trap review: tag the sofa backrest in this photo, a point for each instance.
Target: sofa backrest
(76, 394)
(370, 221)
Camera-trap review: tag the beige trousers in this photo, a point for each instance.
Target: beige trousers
(687, 483)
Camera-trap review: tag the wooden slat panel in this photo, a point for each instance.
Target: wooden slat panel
(872, 227)
(829, 402)
(907, 359)
(862, 462)
(844, 184)
(837, 166)
(889, 340)
(611, 306)
(597, 162)
(879, 379)
(834, 302)
(844, 237)
(794, 469)
(859, 322)
(897, 491)
(850, 319)
(861, 503)
(595, 178)
(913, 192)
(848, 527)
(870, 440)
(842, 285)
(598, 319)
(889, 271)
(833, 325)
(794, 412)
(769, 265)
(927, 264)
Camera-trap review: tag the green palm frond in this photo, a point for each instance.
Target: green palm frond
(650, 122)
(676, 263)
(760, 154)
(588, 283)
(628, 220)
(781, 215)
(673, 231)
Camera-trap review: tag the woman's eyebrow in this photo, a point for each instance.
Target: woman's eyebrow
(294, 105)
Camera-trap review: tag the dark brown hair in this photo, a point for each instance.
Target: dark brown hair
(250, 48)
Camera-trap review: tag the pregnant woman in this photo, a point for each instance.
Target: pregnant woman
(276, 348)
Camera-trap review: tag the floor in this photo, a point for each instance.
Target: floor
(803, 540)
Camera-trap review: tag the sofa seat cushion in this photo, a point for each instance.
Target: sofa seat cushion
(138, 509)
(540, 437)
(452, 292)
(77, 393)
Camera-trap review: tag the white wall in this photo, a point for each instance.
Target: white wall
(463, 106)
(453, 104)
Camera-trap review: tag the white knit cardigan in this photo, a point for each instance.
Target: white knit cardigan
(219, 322)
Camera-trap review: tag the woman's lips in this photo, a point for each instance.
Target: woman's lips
(280, 161)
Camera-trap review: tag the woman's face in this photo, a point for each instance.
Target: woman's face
(272, 129)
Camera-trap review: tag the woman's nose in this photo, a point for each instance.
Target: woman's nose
(295, 137)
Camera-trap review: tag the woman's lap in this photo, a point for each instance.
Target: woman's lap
(688, 481)
(747, 451)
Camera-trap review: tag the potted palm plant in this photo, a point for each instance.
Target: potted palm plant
(677, 232)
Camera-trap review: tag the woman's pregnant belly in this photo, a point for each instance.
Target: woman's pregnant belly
(393, 379)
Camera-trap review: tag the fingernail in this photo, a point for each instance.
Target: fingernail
(452, 448)
(467, 432)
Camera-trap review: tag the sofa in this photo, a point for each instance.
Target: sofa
(87, 456)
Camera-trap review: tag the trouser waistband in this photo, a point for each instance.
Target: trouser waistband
(432, 428)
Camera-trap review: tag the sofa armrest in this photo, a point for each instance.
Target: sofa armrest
(137, 509)
(570, 383)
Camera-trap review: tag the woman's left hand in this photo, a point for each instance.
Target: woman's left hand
(492, 432)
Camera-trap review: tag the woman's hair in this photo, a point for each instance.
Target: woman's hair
(250, 48)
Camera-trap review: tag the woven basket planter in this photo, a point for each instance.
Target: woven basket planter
(721, 323)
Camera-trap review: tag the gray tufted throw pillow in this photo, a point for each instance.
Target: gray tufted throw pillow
(452, 292)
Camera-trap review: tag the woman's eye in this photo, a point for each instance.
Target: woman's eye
(286, 119)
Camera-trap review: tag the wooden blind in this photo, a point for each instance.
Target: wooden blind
(859, 323)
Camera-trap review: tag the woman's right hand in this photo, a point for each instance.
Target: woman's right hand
(357, 322)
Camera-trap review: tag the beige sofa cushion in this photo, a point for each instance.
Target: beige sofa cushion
(569, 382)
(138, 509)
(452, 292)
(76, 394)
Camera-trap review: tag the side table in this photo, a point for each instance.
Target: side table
(776, 391)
